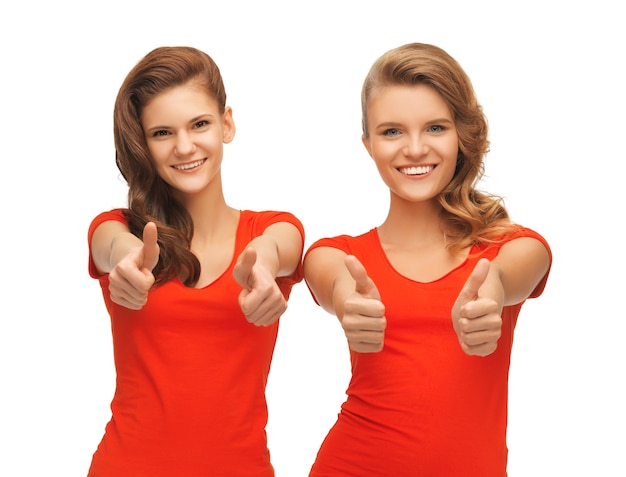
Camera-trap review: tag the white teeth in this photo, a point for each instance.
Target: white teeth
(416, 170)
(184, 167)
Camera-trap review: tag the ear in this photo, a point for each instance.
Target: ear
(228, 125)
(367, 145)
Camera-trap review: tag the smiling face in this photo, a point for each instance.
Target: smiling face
(185, 132)
(413, 140)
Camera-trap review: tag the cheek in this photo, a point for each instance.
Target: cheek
(449, 150)
(158, 152)
(381, 151)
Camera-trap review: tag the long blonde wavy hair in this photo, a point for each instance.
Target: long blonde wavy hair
(469, 216)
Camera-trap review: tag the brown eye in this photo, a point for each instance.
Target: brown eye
(201, 124)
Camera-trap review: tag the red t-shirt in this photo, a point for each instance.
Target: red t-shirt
(421, 407)
(191, 376)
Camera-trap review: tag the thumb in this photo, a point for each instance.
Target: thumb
(475, 281)
(364, 284)
(243, 268)
(150, 246)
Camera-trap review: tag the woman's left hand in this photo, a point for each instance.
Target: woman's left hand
(477, 319)
(261, 300)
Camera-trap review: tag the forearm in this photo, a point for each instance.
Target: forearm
(279, 248)
(518, 268)
(493, 288)
(328, 278)
(121, 244)
(111, 241)
(341, 289)
(267, 252)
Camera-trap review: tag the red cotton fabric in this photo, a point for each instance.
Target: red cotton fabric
(191, 376)
(421, 407)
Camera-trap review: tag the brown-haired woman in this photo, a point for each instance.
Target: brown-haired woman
(193, 286)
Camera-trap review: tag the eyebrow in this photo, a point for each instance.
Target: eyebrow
(393, 124)
(201, 116)
(441, 120)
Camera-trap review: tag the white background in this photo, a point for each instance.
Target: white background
(549, 75)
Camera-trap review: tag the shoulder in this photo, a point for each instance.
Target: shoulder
(529, 253)
(516, 238)
(512, 232)
(519, 231)
(346, 243)
(260, 220)
(113, 214)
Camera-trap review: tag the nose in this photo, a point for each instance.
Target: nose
(184, 144)
(415, 145)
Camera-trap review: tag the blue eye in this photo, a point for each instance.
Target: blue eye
(391, 132)
(436, 129)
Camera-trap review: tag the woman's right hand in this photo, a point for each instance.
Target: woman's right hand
(363, 319)
(131, 278)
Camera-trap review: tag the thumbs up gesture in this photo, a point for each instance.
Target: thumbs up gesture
(363, 318)
(260, 300)
(477, 319)
(131, 278)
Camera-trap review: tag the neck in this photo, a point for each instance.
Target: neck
(411, 223)
(208, 210)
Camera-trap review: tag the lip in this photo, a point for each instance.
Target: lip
(416, 170)
(189, 166)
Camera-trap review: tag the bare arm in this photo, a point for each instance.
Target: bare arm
(342, 287)
(128, 260)
(275, 253)
(517, 269)
(330, 281)
(279, 248)
(110, 243)
(509, 279)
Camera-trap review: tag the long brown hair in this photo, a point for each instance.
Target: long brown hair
(149, 197)
(469, 215)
